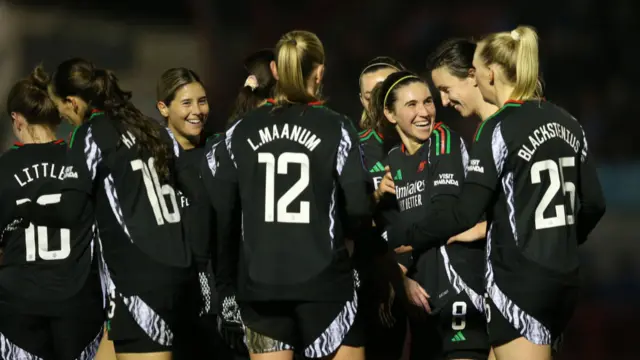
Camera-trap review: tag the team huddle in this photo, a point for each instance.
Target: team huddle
(293, 234)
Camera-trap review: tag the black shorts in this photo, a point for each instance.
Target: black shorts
(155, 321)
(539, 311)
(68, 337)
(458, 331)
(312, 329)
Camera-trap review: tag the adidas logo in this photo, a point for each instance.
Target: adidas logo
(378, 167)
(458, 337)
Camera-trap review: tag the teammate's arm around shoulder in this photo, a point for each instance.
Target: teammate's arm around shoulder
(68, 204)
(592, 202)
(449, 218)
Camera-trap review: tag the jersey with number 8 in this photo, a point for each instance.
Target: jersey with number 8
(534, 155)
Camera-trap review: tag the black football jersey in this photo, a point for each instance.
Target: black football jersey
(299, 177)
(532, 155)
(198, 222)
(137, 211)
(437, 169)
(375, 158)
(42, 266)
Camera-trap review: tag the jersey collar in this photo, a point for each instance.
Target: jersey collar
(18, 144)
(313, 103)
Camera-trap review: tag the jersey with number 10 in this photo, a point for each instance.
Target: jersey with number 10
(137, 211)
(532, 154)
(300, 175)
(42, 267)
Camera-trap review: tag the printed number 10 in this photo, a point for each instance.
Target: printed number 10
(43, 235)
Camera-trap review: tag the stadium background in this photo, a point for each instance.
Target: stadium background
(588, 50)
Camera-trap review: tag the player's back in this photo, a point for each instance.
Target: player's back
(288, 161)
(41, 265)
(539, 147)
(137, 212)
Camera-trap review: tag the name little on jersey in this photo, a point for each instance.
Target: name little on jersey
(288, 132)
(43, 170)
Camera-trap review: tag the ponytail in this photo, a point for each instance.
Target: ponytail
(527, 84)
(517, 53)
(298, 53)
(100, 89)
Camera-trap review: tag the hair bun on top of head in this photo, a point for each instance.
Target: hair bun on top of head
(515, 35)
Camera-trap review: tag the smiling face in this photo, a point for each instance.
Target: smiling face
(413, 112)
(460, 93)
(187, 113)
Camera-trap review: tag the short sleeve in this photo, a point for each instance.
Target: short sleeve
(83, 158)
(447, 167)
(488, 155)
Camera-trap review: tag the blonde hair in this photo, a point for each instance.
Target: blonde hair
(517, 53)
(298, 53)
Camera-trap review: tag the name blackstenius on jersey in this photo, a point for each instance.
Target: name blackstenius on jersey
(548, 132)
(297, 133)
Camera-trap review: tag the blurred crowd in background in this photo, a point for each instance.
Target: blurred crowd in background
(587, 50)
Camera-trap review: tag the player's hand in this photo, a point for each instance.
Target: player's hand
(384, 312)
(416, 294)
(402, 249)
(477, 232)
(386, 185)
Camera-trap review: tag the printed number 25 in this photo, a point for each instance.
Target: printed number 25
(556, 182)
(157, 192)
(43, 235)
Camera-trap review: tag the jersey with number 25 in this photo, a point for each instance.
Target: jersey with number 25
(532, 154)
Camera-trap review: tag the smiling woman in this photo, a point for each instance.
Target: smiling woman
(182, 101)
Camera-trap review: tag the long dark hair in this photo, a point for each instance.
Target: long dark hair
(257, 64)
(384, 96)
(30, 98)
(101, 90)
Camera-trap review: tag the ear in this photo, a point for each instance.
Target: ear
(19, 122)
(471, 75)
(492, 75)
(274, 69)
(389, 115)
(163, 109)
(319, 74)
(74, 104)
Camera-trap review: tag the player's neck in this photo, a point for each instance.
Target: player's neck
(185, 142)
(485, 110)
(38, 135)
(503, 94)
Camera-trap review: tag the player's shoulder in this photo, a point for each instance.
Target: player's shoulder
(443, 140)
(370, 137)
(394, 151)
